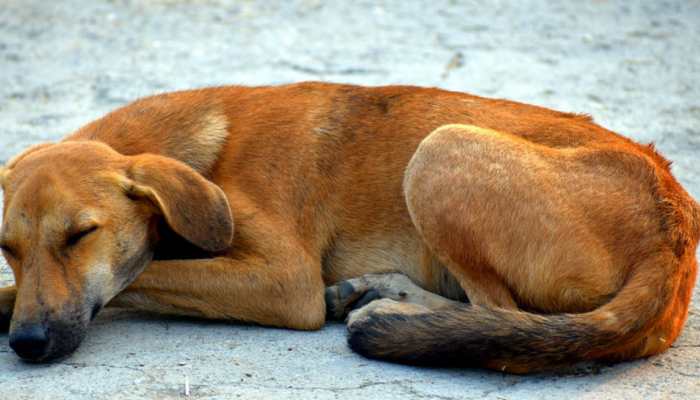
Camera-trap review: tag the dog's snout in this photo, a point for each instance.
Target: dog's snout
(30, 342)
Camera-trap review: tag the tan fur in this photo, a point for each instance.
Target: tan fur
(520, 207)
(7, 168)
(205, 143)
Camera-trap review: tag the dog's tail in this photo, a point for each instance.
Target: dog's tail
(519, 342)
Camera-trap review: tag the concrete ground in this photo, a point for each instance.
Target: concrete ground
(633, 65)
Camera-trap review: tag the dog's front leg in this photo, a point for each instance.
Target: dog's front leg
(7, 303)
(251, 288)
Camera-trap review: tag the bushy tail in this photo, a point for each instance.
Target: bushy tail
(519, 342)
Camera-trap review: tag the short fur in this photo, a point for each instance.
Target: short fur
(571, 242)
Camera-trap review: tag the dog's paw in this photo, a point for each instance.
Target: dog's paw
(356, 293)
(340, 299)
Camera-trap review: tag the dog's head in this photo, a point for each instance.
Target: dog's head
(80, 223)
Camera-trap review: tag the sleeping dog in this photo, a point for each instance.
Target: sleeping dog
(461, 230)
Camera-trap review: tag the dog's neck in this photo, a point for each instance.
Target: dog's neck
(195, 135)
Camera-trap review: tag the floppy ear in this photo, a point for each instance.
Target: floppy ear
(193, 207)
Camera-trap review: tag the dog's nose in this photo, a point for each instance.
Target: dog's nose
(30, 342)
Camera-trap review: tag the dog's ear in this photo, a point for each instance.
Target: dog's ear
(193, 207)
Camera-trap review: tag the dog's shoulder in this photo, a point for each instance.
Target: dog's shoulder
(190, 126)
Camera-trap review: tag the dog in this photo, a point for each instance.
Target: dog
(453, 229)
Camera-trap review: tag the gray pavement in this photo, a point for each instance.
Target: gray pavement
(633, 65)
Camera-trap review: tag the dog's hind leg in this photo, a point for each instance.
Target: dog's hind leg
(520, 224)
(444, 187)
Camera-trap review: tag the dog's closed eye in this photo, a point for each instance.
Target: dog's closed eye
(77, 236)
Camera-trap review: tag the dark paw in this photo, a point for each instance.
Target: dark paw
(345, 297)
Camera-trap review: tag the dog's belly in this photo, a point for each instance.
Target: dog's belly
(402, 252)
(350, 258)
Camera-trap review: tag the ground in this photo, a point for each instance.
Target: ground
(634, 66)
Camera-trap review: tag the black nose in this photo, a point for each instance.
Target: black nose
(30, 342)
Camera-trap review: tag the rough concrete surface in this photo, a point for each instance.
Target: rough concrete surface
(633, 65)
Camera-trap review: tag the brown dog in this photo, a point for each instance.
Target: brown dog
(571, 242)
